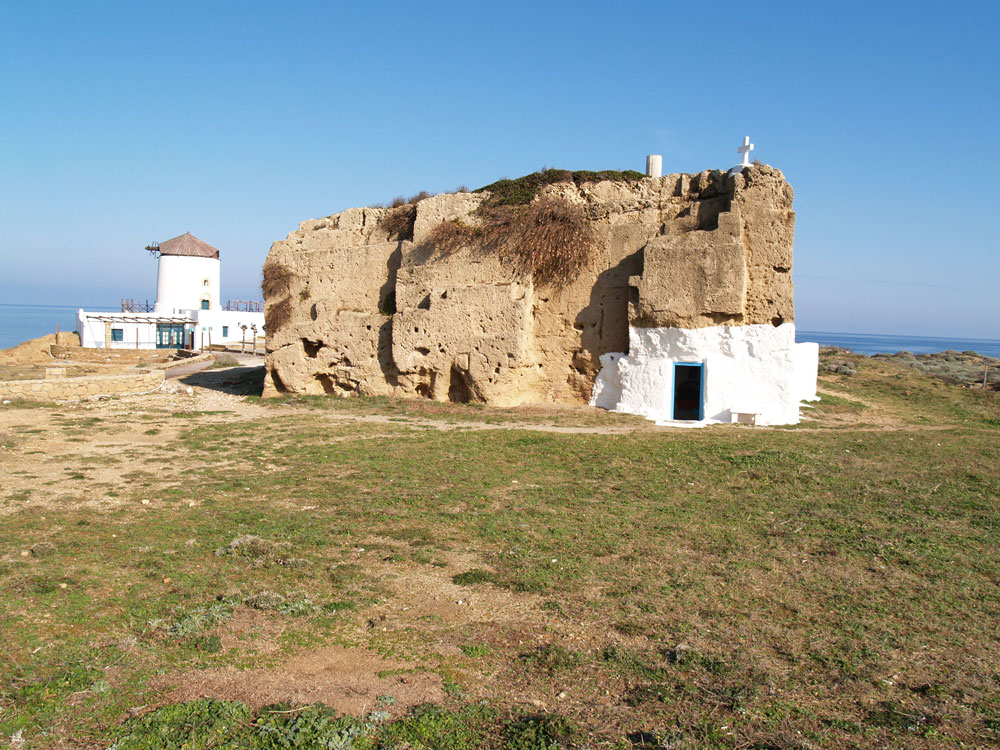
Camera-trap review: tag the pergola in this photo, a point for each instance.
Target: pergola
(148, 319)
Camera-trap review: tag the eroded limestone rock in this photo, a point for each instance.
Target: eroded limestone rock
(363, 311)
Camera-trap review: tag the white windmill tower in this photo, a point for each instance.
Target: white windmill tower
(187, 275)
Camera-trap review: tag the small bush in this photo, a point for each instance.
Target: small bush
(838, 367)
(552, 658)
(201, 618)
(295, 604)
(225, 360)
(398, 221)
(200, 723)
(539, 733)
(253, 548)
(229, 724)
(449, 236)
(549, 239)
(277, 280)
(209, 644)
(429, 726)
(523, 190)
(278, 315)
(476, 575)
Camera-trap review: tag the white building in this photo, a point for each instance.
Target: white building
(691, 377)
(188, 313)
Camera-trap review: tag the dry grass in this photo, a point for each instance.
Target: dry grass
(449, 236)
(398, 221)
(277, 280)
(550, 239)
(278, 315)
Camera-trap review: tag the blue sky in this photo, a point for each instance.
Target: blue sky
(124, 123)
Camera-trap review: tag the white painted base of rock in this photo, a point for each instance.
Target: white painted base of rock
(752, 370)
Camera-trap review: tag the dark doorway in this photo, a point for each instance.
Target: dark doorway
(688, 389)
(458, 389)
(169, 335)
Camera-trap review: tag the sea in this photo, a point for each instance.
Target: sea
(23, 322)
(873, 343)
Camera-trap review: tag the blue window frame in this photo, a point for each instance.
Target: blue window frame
(225, 331)
(689, 391)
(204, 304)
(117, 334)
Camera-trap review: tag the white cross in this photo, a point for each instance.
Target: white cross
(745, 150)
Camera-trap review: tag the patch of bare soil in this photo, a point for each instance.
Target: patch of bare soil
(35, 350)
(429, 593)
(349, 680)
(81, 454)
(252, 631)
(873, 418)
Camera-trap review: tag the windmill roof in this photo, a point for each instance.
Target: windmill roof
(188, 244)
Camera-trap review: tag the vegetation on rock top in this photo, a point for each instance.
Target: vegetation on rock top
(525, 189)
(277, 281)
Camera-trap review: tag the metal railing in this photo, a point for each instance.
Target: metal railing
(243, 305)
(136, 306)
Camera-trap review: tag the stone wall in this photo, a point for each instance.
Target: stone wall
(363, 311)
(110, 356)
(71, 389)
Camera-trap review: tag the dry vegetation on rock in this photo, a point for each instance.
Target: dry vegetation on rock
(277, 283)
(549, 239)
(398, 220)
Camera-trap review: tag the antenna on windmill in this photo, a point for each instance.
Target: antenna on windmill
(153, 247)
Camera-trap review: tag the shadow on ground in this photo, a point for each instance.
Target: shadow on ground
(239, 381)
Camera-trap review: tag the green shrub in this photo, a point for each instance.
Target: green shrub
(552, 658)
(225, 360)
(539, 733)
(430, 726)
(523, 190)
(476, 575)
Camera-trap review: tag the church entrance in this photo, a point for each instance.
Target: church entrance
(689, 388)
(169, 335)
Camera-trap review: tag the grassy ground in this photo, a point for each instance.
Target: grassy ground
(190, 572)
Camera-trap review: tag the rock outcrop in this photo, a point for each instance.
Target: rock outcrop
(376, 301)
